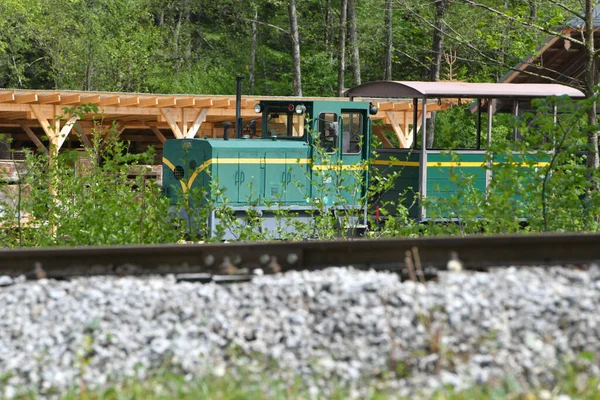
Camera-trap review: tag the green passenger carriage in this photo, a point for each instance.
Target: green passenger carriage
(426, 172)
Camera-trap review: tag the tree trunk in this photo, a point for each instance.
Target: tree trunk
(387, 74)
(326, 13)
(295, 49)
(342, 48)
(353, 39)
(253, 53)
(532, 10)
(330, 33)
(437, 49)
(590, 81)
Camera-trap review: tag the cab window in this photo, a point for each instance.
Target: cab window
(352, 132)
(328, 127)
(282, 123)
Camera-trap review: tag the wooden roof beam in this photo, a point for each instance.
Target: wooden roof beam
(150, 102)
(7, 97)
(26, 99)
(391, 106)
(250, 104)
(129, 101)
(70, 99)
(222, 103)
(49, 99)
(110, 101)
(243, 103)
(204, 103)
(15, 115)
(168, 102)
(187, 102)
(95, 99)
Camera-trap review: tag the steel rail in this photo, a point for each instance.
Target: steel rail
(474, 252)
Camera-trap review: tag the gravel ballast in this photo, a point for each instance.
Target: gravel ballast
(338, 325)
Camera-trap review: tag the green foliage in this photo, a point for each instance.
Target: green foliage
(199, 46)
(96, 196)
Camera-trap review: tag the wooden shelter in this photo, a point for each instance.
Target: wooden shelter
(44, 119)
(558, 60)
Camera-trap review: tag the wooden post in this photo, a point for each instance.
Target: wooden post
(423, 162)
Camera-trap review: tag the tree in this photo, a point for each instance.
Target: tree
(387, 75)
(353, 41)
(295, 48)
(437, 49)
(342, 47)
(253, 53)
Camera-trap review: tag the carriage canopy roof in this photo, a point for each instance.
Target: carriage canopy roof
(407, 89)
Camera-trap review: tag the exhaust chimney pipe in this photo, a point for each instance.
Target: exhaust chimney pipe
(238, 107)
(226, 126)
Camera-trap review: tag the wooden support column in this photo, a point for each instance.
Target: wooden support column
(49, 130)
(34, 138)
(488, 169)
(397, 130)
(158, 134)
(166, 113)
(423, 162)
(197, 124)
(83, 134)
(386, 143)
(406, 128)
(184, 121)
(64, 132)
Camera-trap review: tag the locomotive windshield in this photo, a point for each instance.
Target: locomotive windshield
(283, 123)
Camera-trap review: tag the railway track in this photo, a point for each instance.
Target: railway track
(426, 255)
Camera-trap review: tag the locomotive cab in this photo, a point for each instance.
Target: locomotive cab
(338, 134)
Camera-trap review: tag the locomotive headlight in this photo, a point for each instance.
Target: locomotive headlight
(300, 109)
(257, 108)
(373, 109)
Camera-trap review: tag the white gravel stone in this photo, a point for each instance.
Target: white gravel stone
(338, 326)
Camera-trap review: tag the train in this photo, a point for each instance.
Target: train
(304, 158)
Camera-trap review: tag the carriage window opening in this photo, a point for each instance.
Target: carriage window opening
(328, 135)
(283, 123)
(352, 132)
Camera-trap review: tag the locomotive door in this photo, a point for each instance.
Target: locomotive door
(325, 159)
(248, 178)
(297, 187)
(239, 174)
(351, 179)
(285, 177)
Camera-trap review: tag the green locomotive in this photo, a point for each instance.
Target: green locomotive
(308, 155)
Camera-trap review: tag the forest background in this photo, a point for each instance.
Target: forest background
(199, 46)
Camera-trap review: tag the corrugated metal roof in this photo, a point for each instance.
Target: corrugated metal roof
(407, 89)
